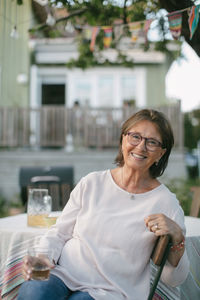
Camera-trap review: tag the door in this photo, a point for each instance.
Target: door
(52, 117)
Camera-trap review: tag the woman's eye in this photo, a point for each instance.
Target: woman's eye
(152, 142)
(136, 137)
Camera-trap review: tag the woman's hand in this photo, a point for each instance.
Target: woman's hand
(30, 261)
(162, 225)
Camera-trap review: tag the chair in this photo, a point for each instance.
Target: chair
(159, 257)
(55, 189)
(195, 207)
(58, 180)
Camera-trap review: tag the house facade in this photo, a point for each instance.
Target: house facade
(53, 83)
(15, 20)
(33, 72)
(43, 94)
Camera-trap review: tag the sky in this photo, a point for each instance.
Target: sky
(183, 80)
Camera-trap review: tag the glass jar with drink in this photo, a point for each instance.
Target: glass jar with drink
(39, 207)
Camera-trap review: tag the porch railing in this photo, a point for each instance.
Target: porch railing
(58, 126)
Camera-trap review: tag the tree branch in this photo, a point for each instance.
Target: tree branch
(125, 12)
(73, 14)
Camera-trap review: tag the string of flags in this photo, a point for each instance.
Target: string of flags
(140, 29)
(175, 21)
(193, 19)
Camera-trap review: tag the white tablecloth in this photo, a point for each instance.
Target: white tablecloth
(17, 237)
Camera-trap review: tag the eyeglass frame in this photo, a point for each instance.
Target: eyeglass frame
(144, 138)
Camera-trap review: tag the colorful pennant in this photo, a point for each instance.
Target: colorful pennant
(135, 29)
(193, 19)
(107, 36)
(140, 29)
(118, 29)
(87, 33)
(95, 32)
(147, 25)
(175, 24)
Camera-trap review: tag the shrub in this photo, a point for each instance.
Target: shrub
(3, 207)
(183, 193)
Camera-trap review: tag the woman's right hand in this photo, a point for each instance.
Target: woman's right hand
(30, 261)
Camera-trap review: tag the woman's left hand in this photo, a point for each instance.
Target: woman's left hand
(162, 225)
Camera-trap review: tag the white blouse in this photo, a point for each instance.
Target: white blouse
(100, 241)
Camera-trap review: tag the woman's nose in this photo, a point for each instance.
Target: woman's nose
(142, 144)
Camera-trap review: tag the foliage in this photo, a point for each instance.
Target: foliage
(7, 208)
(196, 118)
(181, 188)
(191, 129)
(3, 207)
(87, 59)
(105, 13)
(189, 141)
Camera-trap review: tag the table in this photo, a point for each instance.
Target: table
(17, 237)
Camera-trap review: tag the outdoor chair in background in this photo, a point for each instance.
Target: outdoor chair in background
(58, 180)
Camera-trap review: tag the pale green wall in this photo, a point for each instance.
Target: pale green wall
(156, 87)
(14, 53)
(155, 90)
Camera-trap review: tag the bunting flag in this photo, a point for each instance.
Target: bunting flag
(107, 36)
(193, 19)
(140, 29)
(118, 29)
(147, 25)
(175, 24)
(95, 32)
(87, 33)
(135, 30)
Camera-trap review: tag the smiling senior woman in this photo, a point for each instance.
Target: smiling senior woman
(105, 235)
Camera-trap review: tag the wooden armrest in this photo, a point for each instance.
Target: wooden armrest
(159, 256)
(159, 249)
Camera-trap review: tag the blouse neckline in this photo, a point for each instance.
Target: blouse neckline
(133, 195)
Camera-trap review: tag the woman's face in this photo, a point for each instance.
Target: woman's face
(139, 157)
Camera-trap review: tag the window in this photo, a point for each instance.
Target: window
(83, 91)
(105, 90)
(128, 88)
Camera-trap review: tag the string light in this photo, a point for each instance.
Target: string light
(69, 27)
(50, 20)
(14, 33)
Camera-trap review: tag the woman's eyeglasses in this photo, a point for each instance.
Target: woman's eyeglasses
(135, 139)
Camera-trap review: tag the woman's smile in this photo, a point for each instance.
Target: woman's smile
(138, 156)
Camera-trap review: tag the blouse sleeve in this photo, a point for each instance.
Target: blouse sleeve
(174, 276)
(62, 231)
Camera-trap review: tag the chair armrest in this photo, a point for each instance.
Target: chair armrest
(159, 249)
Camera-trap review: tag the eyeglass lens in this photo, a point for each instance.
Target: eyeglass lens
(136, 138)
